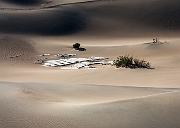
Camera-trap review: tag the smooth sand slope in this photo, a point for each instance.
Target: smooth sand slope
(51, 105)
(36, 96)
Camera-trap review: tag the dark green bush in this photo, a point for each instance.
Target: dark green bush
(76, 46)
(130, 62)
(123, 61)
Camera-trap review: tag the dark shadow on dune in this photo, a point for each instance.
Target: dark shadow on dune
(119, 18)
(164, 15)
(24, 2)
(81, 49)
(55, 21)
(160, 14)
(131, 18)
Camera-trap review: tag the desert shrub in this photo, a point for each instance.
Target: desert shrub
(130, 62)
(123, 61)
(141, 63)
(76, 46)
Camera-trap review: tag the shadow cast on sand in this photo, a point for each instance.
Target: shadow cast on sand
(81, 49)
(62, 21)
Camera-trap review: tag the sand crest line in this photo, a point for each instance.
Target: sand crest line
(51, 6)
(128, 98)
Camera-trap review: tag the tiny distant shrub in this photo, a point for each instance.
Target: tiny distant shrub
(130, 62)
(76, 46)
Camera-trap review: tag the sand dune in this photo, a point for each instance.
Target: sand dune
(16, 50)
(20, 109)
(87, 94)
(33, 96)
(61, 21)
(128, 113)
(163, 57)
(126, 19)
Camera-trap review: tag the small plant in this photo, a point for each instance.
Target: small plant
(76, 46)
(130, 62)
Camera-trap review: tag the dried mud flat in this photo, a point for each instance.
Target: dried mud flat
(36, 96)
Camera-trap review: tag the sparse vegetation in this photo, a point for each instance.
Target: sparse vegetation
(76, 46)
(130, 62)
(157, 41)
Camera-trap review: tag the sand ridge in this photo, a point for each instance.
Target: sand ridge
(73, 114)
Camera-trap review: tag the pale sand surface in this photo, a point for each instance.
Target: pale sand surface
(63, 105)
(163, 57)
(35, 96)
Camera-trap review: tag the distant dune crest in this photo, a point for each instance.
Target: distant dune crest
(24, 2)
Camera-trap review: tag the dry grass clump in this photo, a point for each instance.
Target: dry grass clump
(130, 62)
